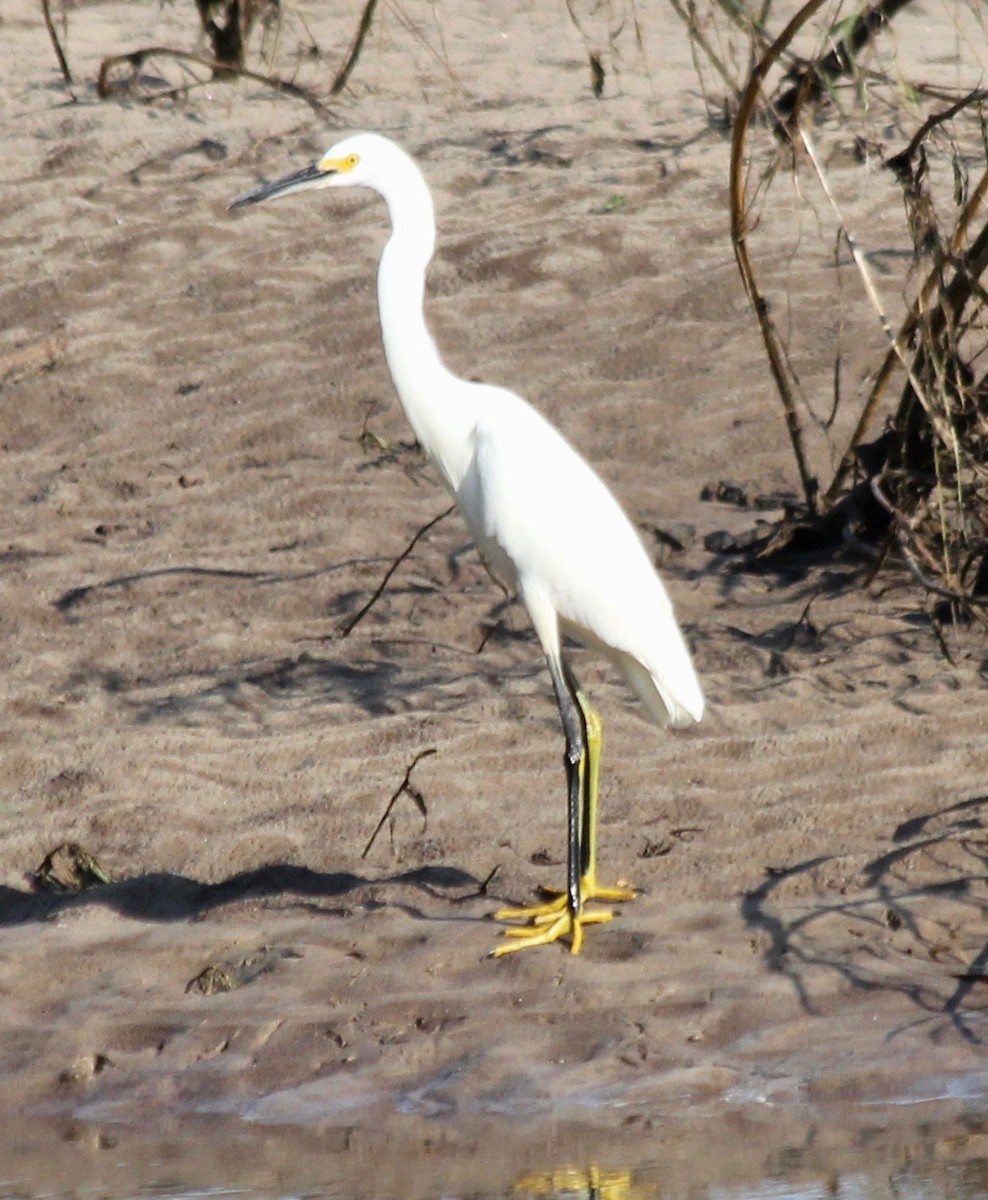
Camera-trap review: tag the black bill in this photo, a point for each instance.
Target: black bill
(281, 187)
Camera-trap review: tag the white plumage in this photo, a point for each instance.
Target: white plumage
(543, 521)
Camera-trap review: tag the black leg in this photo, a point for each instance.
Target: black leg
(565, 915)
(574, 759)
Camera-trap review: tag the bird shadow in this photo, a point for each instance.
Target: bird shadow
(923, 900)
(167, 897)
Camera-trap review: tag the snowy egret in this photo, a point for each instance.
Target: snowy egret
(545, 524)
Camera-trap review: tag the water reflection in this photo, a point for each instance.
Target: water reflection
(908, 1182)
(728, 1156)
(569, 1183)
(965, 1181)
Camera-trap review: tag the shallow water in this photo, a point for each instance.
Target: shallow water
(860, 1153)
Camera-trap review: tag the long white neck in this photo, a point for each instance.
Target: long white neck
(436, 402)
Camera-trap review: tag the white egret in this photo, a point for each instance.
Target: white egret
(544, 523)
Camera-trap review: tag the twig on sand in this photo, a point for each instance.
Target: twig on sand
(378, 591)
(406, 786)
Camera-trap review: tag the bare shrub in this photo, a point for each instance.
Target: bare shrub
(838, 117)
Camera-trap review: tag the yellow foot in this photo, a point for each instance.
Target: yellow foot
(547, 928)
(551, 908)
(552, 920)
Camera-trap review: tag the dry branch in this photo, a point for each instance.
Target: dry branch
(363, 28)
(923, 482)
(106, 88)
(379, 590)
(739, 230)
(809, 80)
(406, 787)
(907, 332)
(63, 62)
(228, 26)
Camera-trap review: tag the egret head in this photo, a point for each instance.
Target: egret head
(361, 160)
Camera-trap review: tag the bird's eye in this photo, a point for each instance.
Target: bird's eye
(351, 161)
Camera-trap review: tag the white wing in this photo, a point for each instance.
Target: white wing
(545, 522)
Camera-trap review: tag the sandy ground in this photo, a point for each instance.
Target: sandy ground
(191, 514)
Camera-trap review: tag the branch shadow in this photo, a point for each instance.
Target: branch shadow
(382, 675)
(167, 897)
(395, 678)
(923, 900)
(72, 599)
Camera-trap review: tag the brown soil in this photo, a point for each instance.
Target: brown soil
(192, 514)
